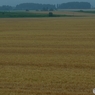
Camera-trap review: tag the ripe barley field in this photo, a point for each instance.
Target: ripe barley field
(47, 56)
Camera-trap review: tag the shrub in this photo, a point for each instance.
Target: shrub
(50, 14)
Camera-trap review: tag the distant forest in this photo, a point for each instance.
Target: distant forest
(75, 5)
(46, 7)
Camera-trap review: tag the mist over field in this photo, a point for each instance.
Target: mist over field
(15, 2)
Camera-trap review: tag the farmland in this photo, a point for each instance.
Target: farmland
(45, 14)
(47, 56)
(33, 14)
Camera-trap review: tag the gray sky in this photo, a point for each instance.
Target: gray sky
(15, 2)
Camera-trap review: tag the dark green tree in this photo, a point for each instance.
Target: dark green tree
(50, 14)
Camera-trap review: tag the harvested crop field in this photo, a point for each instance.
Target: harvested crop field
(47, 56)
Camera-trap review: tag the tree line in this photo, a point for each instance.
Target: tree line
(75, 5)
(46, 7)
(35, 6)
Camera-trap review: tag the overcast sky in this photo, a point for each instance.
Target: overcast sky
(15, 2)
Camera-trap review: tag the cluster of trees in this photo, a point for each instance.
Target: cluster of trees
(75, 5)
(35, 6)
(6, 7)
(46, 7)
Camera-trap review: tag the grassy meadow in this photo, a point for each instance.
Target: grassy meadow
(46, 14)
(47, 56)
(34, 14)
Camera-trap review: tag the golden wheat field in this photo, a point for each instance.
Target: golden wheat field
(47, 56)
